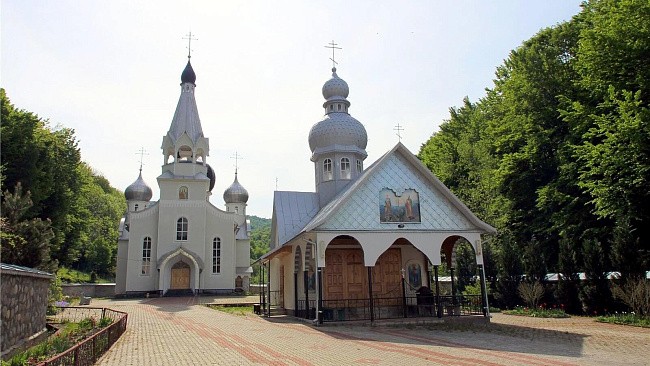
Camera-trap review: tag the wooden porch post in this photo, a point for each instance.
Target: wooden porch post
(262, 289)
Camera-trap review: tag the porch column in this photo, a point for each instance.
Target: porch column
(262, 289)
(453, 286)
(320, 295)
(484, 298)
(372, 305)
(295, 293)
(404, 294)
(306, 284)
(268, 286)
(438, 306)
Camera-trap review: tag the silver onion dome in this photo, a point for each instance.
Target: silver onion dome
(338, 127)
(335, 87)
(138, 190)
(236, 193)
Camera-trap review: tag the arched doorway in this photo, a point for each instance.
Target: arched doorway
(180, 276)
(344, 277)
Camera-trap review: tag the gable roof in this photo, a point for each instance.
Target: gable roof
(333, 206)
(291, 212)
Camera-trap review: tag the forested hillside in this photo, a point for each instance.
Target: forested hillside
(56, 211)
(556, 155)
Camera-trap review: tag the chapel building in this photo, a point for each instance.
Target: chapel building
(368, 243)
(182, 244)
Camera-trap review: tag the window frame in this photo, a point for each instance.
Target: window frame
(216, 255)
(346, 172)
(146, 256)
(182, 229)
(328, 173)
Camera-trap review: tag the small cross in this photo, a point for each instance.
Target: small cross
(142, 152)
(237, 157)
(399, 130)
(189, 43)
(334, 47)
(276, 183)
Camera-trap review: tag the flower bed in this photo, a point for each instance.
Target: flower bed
(83, 335)
(539, 312)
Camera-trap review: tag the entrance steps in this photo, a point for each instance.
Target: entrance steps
(179, 293)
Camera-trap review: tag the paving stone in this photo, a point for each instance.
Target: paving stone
(181, 331)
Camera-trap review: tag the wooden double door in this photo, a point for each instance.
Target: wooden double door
(346, 277)
(180, 276)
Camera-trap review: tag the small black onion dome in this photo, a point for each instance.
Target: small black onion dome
(138, 190)
(212, 177)
(188, 75)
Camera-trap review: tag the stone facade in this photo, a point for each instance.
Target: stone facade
(24, 304)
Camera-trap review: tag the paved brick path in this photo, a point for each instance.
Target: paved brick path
(178, 331)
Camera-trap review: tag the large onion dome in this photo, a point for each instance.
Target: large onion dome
(138, 190)
(236, 193)
(338, 130)
(188, 75)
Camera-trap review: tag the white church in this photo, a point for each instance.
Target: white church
(182, 244)
(368, 243)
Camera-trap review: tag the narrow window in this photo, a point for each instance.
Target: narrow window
(345, 168)
(181, 229)
(236, 209)
(327, 169)
(146, 256)
(359, 166)
(216, 255)
(136, 206)
(182, 193)
(331, 107)
(338, 106)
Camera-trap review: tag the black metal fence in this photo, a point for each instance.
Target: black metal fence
(401, 307)
(89, 351)
(306, 312)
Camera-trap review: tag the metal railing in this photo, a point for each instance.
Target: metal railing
(401, 307)
(89, 351)
(303, 312)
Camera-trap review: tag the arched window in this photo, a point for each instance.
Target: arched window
(359, 166)
(236, 209)
(136, 207)
(181, 229)
(216, 255)
(182, 193)
(146, 256)
(345, 168)
(327, 169)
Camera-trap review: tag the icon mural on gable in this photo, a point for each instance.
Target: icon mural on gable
(403, 208)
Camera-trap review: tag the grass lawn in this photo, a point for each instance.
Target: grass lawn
(235, 310)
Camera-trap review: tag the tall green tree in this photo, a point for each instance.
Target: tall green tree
(24, 241)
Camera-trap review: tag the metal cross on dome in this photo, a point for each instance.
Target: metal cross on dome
(237, 157)
(189, 43)
(334, 47)
(142, 152)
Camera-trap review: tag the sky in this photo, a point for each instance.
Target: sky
(111, 71)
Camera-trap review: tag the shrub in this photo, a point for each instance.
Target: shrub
(531, 292)
(635, 293)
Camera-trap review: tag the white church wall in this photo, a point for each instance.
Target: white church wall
(143, 224)
(219, 225)
(243, 253)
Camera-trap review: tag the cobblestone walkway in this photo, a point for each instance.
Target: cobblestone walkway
(178, 331)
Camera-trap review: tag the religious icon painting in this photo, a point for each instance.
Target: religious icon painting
(415, 275)
(403, 208)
